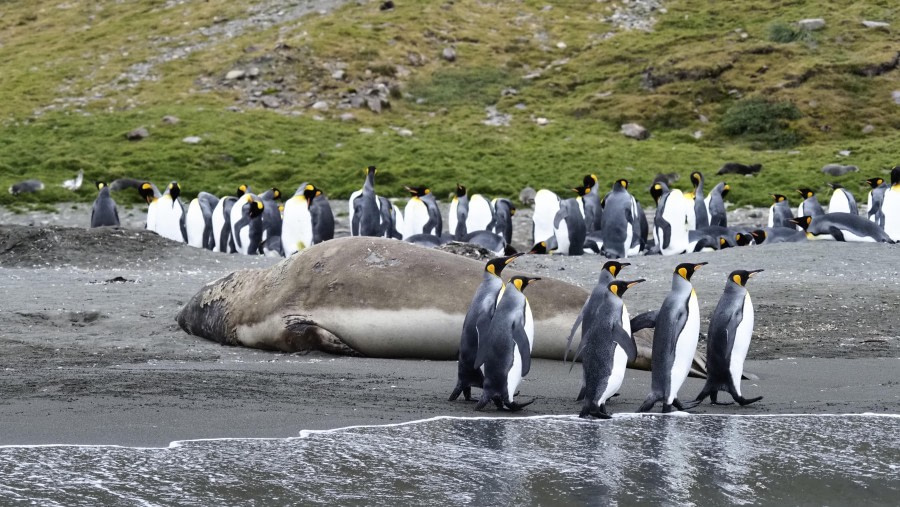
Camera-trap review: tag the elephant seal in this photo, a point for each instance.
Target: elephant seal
(367, 296)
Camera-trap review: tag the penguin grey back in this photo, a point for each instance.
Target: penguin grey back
(503, 213)
(322, 219)
(367, 219)
(207, 203)
(717, 215)
(571, 213)
(617, 215)
(104, 212)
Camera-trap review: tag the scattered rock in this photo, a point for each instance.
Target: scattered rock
(736, 168)
(347, 117)
(703, 119)
(635, 131)
(467, 250)
(386, 6)
(137, 134)
(415, 59)
(509, 92)
(526, 196)
(896, 96)
(366, 130)
(811, 24)
(320, 106)
(234, 74)
(449, 54)
(192, 140)
(170, 120)
(838, 169)
(338, 74)
(542, 121)
(698, 134)
(496, 118)
(868, 129)
(270, 102)
(844, 153)
(253, 72)
(404, 132)
(561, 45)
(875, 24)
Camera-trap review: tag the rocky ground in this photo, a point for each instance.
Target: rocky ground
(90, 352)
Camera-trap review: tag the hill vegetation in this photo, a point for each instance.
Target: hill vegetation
(496, 95)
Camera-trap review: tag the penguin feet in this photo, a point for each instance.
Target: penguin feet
(684, 406)
(713, 400)
(746, 401)
(515, 406)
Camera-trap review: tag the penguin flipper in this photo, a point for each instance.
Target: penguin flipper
(626, 341)
(661, 223)
(481, 332)
(521, 340)
(838, 235)
(644, 320)
(560, 216)
(574, 328)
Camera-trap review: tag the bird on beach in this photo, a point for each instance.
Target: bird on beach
(104, 212)
(75, 183)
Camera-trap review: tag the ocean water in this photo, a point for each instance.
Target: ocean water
(649, 459)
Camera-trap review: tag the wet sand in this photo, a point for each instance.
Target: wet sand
(90, 352)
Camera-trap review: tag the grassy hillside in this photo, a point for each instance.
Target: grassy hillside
(713, 82)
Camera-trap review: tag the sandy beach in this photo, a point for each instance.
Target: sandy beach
(90, 352)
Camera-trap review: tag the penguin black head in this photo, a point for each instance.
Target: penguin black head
(589, 181)
(276, 194)
(582, 191)
(174, 190)
(835, 186)
(723, 243)
(806, 192)
(614, 267)
(743, 239)
(778, 197)
(759, 235)
(803, 222)
(310, 192)
(370, 170)
(520, 282)
(725, 190)
(418, 191)
(241, 190)
(495, 266)
(657, 190)
(686, 270)
(256, 208)
(618, 287)
(895, 176)
(623, 183)
(741, 276)
(100, 184)
(540, 247)
(146, 191)
(874, 182)
(460, 190)
(696, 178)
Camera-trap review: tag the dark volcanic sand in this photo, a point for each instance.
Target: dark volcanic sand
(90, 352)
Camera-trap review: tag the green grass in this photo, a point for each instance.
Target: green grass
(769, 98)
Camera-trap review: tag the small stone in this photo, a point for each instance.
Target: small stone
(366, 130)
(170, 120)
(868, 129)
(234, 74)
(561, 45)
(542, 121)
(875, 24)
(318, 118)
(375, 104)
(191, 140)
(404, 132)
(509, 92)
(137, 134)
(449, 54)
(320, 106)
(896, 96)
(811, 24)
(347, 117)
(338, 74)
(698, 134)
(415, 59)
(253, 72)
(844, 153)
(271, 102)
(635, 131)
(234, 109)
(703, 119)
(744, 35)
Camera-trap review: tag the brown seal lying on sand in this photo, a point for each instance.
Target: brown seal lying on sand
(373, 297)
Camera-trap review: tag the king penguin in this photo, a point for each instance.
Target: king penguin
(715, 204)
(670, 226)
(780, 212)
(483, 305)
(701, 214)
(297, 226)
(842, 227)
(606, 348)
(221, 221)
(272, 222)
(546, 206)
(459, 213)
(421, 214)
(773, 235)
(890, 206)
(503, 213)
(568, 225)
(170, 214)
(151, 196)
(674, 341)
(248, 229)
(810, 205)
(504, 346)
(322, 216)
(617, 229)
(198, 221)
(367, 220)
(842, 201)
(593, 211)
(728, 340)
(481, 214)
(607, 274)
(104, 212)
(874, 200)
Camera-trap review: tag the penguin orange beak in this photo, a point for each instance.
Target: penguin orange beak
(635, 282)
(697, 266)
(755, 271)
(623, 264)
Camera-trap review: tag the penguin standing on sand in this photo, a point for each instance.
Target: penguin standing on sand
(874, 200)
(198, 221)
(810, 205)
(568, 225)
(272, 223)
(890, 206)
(674, 341)
(606, 347)
(842, 201)
(170, 214)
(670, 223)
(617, 229)
(366, 220)
(483, 305)
(322, 216)
(728, 340)
(297, 225)
(715, 204)
(701, 214)
(459, 213)
(504, 346)
(421, 215)
(780, 212)
(104, 212)
(151, 196)
(248, 230)
(221, 221)
(593, 211)
(503, 213)
(608, 274)
(546, 206)
(391, 218)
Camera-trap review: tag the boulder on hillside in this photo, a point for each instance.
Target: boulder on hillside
(811, 24)
(138, 134)
(635, 131)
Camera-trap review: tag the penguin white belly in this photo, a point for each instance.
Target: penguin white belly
(546, 205)
(399, 220)
(529, 326)
(415, 216)
(452, 219)
(168, 219)
(675, 213)
(771, 216)
(235, 217)
(218, 223)
(890, 208)
(297, 226)
(869, 206)
(194, 224)
(480, 214)
(244, 234)
(838, 202)
(630, 250)
(562, 237)
(353, 197)
(614, 382)
(514, 376)
(151, 215)
(706, 203)
(691, 213)
(685, 348)
(853, 238)
(741, 344)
